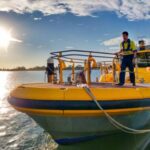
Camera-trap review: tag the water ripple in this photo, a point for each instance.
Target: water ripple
(17, 130)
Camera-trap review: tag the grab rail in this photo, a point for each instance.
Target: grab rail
(75, 56)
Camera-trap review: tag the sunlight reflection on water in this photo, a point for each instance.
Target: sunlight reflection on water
(17, 130)
(3, 84)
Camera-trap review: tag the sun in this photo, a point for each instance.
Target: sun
(5, 38)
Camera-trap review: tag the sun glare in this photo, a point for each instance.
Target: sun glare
(5, 38)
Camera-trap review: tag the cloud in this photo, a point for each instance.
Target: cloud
(131, 9)
(114, 48)
(147, 41)
(37, 18)
(69, 47)
(112, 42)
(86, 41)
(80, 24)
(15, 40)
(52, 41)
(106, 34)
(115, 42)
(51, 20)
(40, 46)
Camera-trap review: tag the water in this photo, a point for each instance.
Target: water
(20, 132)
(17, 130)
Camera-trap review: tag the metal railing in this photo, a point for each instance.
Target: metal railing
(87, 57)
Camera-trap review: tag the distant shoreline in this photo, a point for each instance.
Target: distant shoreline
(22, 68)
(42, 68)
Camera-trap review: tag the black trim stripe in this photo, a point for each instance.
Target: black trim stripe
(77, 105)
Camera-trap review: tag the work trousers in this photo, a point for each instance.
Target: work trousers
(127, 62)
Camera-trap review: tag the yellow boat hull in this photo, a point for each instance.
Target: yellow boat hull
(64, 111)
(46, 92)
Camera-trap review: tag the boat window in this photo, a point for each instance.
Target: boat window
(144, 59)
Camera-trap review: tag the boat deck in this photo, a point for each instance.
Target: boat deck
(93, 85)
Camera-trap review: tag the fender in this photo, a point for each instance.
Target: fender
(62, 64)
(93, 61)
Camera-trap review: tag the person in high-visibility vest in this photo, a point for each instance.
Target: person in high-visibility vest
(128, 51)
(142, 45)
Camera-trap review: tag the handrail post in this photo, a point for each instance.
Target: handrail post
(73, 70)
(60, 71)
(114, 70)
(60, 68)
(88, 72)
(85, 68)
(136, 70)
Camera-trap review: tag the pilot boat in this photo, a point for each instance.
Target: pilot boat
(81, 110)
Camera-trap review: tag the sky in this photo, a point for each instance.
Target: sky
(39, 27)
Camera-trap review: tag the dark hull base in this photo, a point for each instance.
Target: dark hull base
(73, 130)
(118, 141)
